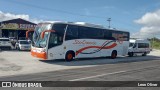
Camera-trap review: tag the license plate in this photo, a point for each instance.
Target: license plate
(26, 47)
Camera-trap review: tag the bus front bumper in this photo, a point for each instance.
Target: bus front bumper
(42, 55)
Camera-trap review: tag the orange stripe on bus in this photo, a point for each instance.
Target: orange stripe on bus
(107, 47)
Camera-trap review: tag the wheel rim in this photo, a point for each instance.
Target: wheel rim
(113, 55)
(69, 56)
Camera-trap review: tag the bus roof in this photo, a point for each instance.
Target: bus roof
(81, 24)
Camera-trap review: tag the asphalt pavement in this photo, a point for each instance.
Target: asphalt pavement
(136, 68)
(146, 69)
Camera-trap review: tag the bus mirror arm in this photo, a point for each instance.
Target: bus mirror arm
(43, 33)
(27, 33)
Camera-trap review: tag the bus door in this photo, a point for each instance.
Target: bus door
(55, 48)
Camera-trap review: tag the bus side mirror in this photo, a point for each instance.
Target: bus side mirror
(27, 33)
(43, 33)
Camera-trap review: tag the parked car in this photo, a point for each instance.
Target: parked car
(5, 43)
(23, 45)
(139, 46)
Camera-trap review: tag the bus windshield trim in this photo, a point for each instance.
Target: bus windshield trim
(43, 33)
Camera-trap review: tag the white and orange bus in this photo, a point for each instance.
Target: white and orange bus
(68, 40)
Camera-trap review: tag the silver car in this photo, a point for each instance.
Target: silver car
(23, 45)
(5, 43)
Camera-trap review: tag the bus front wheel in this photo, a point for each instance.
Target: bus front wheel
(69, 56)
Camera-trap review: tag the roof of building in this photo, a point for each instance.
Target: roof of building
(18, 21)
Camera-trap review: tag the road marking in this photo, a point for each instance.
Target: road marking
(97, 76)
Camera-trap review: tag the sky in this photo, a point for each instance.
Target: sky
(140, 17)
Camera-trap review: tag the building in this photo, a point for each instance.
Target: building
(15, 28)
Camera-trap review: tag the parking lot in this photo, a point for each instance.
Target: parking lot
(21, 62)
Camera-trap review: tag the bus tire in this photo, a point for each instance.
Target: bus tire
(70, 56)
(130, 54)
(114, 54)
(144, 54)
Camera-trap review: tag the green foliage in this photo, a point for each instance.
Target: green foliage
(155, 43)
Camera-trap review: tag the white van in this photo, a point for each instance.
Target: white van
(139, 46)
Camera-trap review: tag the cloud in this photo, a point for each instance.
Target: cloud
(150, 19)
(36, 20)
(150, 25)
(9, 16)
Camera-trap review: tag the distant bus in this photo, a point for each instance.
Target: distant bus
(68, 40)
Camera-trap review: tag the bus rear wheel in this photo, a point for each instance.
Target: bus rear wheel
(114, 55)
(69, 56)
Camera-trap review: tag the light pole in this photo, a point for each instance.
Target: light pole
(109, 20)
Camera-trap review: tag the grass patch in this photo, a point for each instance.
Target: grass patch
(155, 43)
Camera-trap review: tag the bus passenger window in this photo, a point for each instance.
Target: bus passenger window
(72, 32)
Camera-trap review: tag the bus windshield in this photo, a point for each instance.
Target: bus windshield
(37, 40)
